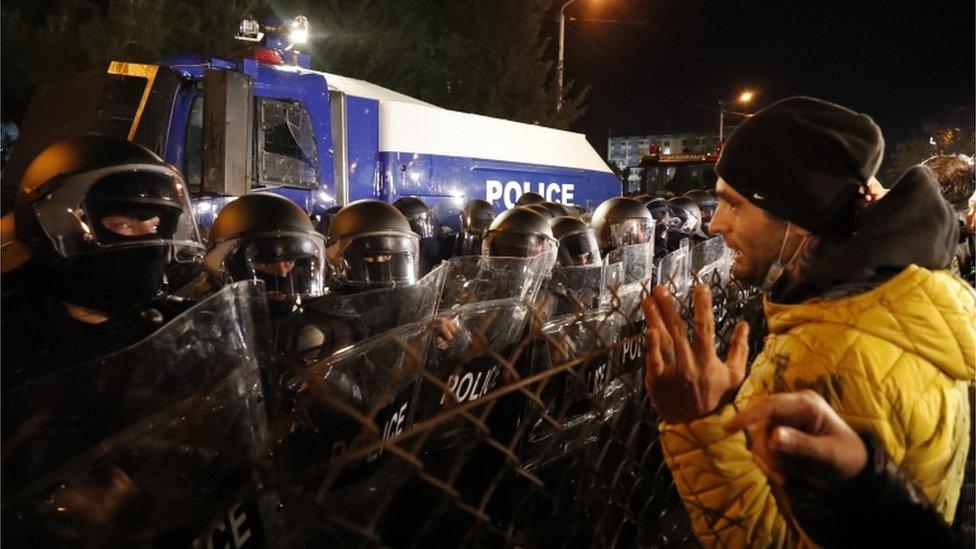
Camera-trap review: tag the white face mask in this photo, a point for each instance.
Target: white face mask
(777, 269)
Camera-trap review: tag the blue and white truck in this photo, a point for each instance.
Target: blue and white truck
(252, 122)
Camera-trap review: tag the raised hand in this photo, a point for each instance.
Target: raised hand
(687, 380)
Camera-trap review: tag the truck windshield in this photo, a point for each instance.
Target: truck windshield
(678, 178)
(286, 145)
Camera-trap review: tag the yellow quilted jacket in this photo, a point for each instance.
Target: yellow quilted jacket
(894, 361)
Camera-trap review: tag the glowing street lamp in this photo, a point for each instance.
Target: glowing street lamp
(745, 97)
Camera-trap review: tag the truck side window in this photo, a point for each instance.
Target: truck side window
(193, 148)
(286, 145)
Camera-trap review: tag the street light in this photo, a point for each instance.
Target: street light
(744, 98)
(562, 42)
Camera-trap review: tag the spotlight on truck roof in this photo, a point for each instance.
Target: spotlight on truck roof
(298, 30)
(249, 30)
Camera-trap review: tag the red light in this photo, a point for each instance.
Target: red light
(267, 56)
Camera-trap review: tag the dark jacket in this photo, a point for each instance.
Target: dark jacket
(881, 507)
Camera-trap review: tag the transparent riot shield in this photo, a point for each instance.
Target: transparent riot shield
(572, 290)
(675, 272)
(483, 317)
(333, 468)
(711, 262)
(578, 356)
(149, 444)
(637, 261)
(471, 279)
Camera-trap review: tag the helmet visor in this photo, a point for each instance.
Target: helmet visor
(631, 231)
(579, 249)
(469, 242)
(380, 259)
(422, 224)
(119, 207)
(510, 244)
(291, 265)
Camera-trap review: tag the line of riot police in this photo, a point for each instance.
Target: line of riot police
(307, 380)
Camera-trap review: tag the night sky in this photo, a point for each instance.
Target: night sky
(899, 61)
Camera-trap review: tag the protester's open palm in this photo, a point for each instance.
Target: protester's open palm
(686, 380)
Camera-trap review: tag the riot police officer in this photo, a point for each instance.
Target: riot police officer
(269, 238)
(421, 221)
(102, 218)
(529, 198)
(323, 220)
(685, 223)
(476, 218)
(577, 242)
(706, 202)
(371, 245)
(620, 221)
(519, 232)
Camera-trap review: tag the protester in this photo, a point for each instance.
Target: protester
(859, 307)
(957, 181)
(101, 218)
(844, 489)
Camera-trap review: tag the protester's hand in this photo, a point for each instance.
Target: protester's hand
(971, 219)
(798, 436)
(687, 380)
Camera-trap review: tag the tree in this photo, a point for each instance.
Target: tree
(932, 140)
(483, 57)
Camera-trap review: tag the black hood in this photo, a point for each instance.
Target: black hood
(912, 224)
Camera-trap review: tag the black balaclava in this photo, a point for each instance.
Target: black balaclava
(113, 281)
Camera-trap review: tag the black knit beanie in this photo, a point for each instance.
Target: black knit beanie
(804, 160)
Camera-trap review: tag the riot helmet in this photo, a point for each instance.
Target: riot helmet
(620, 221)
(267, 237)
(687, 211)
(643, 198)
(371, 245)
(323, 220)
(519, 232)
(476, 218)
(662, 221)
(542, 210)
(707, 204)
(557, 209)
(529, 198)
(103, 217)
(418, 215)
(577, 242)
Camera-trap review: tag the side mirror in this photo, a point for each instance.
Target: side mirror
(228, 154)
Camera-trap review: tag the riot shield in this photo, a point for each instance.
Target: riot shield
(346, 373)
(485, 310)
(675, 272)
(149, 444)
(471, 279)
(475, 350)
(576, 395)
(711, 262)
(637, 261)
(572, 290)
(334, 468)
